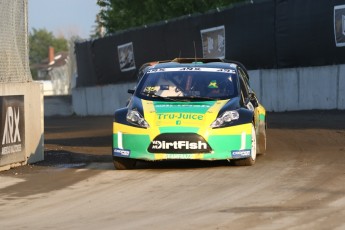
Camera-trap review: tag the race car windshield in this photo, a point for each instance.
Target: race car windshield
(210, 83)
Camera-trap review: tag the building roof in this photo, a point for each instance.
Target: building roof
(60, 59)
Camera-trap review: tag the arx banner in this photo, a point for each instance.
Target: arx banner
(12, 129)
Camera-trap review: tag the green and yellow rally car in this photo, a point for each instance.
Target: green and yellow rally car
(201, 109)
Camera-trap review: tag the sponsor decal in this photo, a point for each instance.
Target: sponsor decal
(339, 25)
(201, 69)
(245, 153)
(179, 156)
(121, 152)
(179, 143)
(182, 105)
(150, 89)
(126, 57)
(213, 85)
(165, 87)
(12, 125)
(213, 42)
(185, 116)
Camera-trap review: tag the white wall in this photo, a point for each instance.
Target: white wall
(47, 87)
(300, 88)
(278, 90)
(100, 100)
(56, 86)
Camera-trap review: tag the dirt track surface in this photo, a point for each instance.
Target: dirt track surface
(298, 184)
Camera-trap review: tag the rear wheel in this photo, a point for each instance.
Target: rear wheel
(250, 160)
(121, 163)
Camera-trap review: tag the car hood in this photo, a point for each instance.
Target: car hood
(181, 114)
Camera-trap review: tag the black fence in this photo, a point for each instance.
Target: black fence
(268, 34)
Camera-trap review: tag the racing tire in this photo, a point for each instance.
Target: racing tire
(121, 163)
(250, 160)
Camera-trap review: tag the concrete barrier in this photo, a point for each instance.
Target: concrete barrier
(79, 101)
(318, 88)
(279, 90)
(295, 89)
(31, 144)
(100, 100)
(341, 87)
(58, 105)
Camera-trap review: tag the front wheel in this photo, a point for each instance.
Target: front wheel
(121, 163)
(250, 160)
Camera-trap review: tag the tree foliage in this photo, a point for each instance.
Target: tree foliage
(122, 14)
(39, 42)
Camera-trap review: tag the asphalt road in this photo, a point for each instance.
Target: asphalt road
(298, 184)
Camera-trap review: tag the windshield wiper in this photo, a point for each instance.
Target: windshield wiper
(160, 97)
(195, 98)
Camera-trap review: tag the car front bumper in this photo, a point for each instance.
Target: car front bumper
(232, 142)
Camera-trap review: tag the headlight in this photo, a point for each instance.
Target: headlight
(135, 117)
(225, 118)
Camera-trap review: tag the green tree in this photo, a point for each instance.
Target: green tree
(98, 28)
(122, 14)
(39, 42)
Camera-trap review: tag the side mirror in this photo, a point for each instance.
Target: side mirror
(252, 98)
(130, 91)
